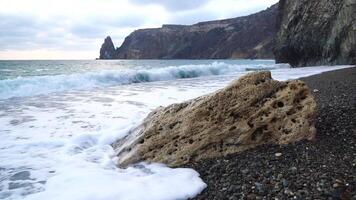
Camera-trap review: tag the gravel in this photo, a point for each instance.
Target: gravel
(320, 169)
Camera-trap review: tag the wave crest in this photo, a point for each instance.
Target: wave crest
(37, 85)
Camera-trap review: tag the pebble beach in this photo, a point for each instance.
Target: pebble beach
(321, 169)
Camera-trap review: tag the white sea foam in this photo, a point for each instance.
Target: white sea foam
(64, 152)
(89, 172)
(37, 85)
(149, 182)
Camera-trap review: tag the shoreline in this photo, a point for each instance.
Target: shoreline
(320, 169)
(94, 117)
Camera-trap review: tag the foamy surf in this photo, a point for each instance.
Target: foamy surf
(38, 85)
(89, 167)
(64, 151)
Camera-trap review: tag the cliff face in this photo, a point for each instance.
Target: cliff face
(243, 37)
(316, 32)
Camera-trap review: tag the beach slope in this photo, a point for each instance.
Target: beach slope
(320, 169)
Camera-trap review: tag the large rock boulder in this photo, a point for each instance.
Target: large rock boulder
(316, 32)
(251, 111)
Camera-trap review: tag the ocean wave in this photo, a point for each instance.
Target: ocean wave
(37, 85)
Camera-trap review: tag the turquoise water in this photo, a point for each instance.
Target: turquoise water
(30, 78)
(25, 68)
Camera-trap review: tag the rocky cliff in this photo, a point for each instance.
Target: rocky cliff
(251, 111)
(107, 50)
(316, 32)
(242, 37)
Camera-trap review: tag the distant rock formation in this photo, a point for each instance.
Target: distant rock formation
(251, 111)
(242, 37)
(107, 50)
(316, 32)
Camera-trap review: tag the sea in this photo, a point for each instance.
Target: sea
(59, 118)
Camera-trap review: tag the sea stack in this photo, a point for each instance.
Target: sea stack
(251, 111)
(107, 50)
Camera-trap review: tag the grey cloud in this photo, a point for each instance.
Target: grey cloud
(17, 31)
(13, 26)
(193, 17)
(201, 15)
(99, 26)
(87, 30)
(175, 5)
(128, 21)
(28, 32)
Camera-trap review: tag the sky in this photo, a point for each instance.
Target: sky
(75, 29)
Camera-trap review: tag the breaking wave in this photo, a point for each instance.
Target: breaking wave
(37, 85)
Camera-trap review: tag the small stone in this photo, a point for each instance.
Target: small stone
(251, 196)
(302, 192)
(315, 90)
(277, 186)
(278, 154)
(293, 169)
(244, 171)
(285, 183)
(259, 187)
(233, 188)
(338, 181)
(288, 192)
(233, 198)
(335, 185)
(279, 176)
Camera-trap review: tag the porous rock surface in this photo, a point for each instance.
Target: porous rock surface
(251, 111)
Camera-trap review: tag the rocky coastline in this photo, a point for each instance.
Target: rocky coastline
(250, 37)
(301, 33)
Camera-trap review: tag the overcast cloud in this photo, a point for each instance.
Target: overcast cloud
(67, 29)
